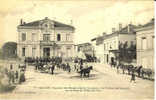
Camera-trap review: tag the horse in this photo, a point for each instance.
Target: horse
(85, 71)
(146, 71)
(138, 70)
(129, 68)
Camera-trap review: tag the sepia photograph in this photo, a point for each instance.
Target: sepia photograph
(77, 50)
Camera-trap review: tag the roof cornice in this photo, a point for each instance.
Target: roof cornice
(145, 28)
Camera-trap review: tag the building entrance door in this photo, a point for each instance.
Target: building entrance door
(107, 58)
(46, 52)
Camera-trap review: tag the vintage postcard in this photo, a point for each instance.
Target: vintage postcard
(77, 50)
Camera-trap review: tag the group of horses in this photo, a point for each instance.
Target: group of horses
(49, 67)
(138, 70)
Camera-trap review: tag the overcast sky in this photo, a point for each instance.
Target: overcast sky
(90, 18)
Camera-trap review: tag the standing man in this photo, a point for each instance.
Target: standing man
(52, 68)
(36, 66)
(68, 66)
(16, 76)
(12, 78)
(11, 66)
(132, 77)
(117, 66)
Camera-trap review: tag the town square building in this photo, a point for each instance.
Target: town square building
(45, 38)
(112, 41)
(107, 45)
(145, 45)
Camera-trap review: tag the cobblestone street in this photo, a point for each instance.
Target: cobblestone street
(103, 83)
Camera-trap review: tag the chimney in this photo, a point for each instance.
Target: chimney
(104, 33)
(113, 30)
(46, 18)
(120, 26)
(71, 22)
(21, 21)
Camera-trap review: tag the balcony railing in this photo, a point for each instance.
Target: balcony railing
(47, 43)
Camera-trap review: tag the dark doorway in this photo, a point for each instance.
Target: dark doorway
(46, 52)
(107, 58)
(58, 37)
(112, 60)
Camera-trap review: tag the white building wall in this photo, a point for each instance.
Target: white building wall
(145, 57)
(99, 52)
(28, 42)
(110, 42)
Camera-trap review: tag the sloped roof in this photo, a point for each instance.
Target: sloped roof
(151, 23)
(37, 23)
(99, 40)
(34, 23)
(130, 28)
(127, 29)
(146, 26)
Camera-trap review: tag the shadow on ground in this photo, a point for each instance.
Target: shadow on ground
(91, 77)
(6, 89)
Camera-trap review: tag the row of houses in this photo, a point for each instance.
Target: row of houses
(48, 38)
(107, 47)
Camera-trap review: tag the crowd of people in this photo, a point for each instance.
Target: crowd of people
(14, 75)
(17, 75)
(50, 64)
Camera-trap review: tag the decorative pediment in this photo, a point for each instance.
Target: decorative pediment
(47, 25)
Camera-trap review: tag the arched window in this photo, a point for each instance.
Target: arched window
(58, 37)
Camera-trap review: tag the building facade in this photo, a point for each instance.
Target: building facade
(107, 46)
(99, 49)
(112, 41)
(145, 45)
(45, 38)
